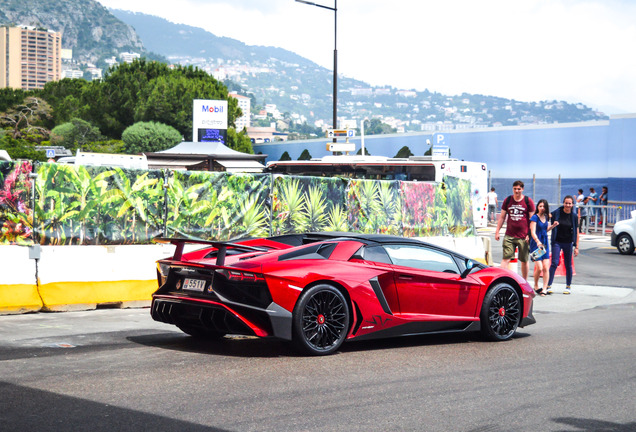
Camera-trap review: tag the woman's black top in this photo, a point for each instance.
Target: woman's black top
(564, 233)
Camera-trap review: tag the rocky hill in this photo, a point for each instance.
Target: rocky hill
(87, 27)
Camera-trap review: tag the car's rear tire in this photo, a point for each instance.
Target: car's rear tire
(320, 320)
(200, 333)
(625, 244)
(500, 312)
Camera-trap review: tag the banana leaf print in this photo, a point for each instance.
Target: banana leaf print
(101, 205)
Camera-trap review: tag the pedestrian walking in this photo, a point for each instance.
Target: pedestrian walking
(539, 245)
(565, 238)
(516, 208)
(491, 200)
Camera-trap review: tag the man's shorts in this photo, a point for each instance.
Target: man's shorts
(512, 243)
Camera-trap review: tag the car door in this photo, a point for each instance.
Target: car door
(428, 282)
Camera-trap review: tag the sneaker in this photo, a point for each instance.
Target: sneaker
(549, 290)
(567, 290)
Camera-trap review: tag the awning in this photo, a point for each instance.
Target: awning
(241, 165)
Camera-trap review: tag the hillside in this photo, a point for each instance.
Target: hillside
(301, 90)
(179, 40)
(87, 27)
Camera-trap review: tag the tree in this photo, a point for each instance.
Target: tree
(239, 141)
(376, 127)
(10, 97)
(66, 98)
(75, 134)
(304, 155)
(404, 152)
(285, 156)
(149, 137)
(151, 91)
(30, 117)
(366, 152)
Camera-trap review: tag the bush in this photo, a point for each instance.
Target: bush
(146, 137)
(75, 134)
(21, 149)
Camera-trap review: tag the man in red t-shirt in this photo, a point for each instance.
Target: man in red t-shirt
(518, 209)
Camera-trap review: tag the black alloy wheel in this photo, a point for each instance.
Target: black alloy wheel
(500, 312)
(320, 320)
(625, 244)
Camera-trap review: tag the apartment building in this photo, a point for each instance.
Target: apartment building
(29, 57)
(245, 106)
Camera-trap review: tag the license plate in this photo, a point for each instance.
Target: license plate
(193, 284)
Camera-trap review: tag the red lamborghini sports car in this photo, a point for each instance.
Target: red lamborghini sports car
(320, 289)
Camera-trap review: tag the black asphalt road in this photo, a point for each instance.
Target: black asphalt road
(117, 370)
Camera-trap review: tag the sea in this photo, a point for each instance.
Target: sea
(554, 190)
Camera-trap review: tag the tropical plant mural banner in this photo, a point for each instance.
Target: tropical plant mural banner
(308, 204)
(97, 205)
(16, 209)
(460, 210)
(374, 206)
(103, 205)
(217, 206)
(423, 209)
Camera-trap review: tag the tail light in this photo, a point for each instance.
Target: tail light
(240, 276)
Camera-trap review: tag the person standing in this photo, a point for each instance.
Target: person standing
(602, 200)
(539, 229)
(581, 204)
(517, 208)
(593, 212)
(491, 200)
(565, 237)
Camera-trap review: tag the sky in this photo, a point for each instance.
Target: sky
(579, 51)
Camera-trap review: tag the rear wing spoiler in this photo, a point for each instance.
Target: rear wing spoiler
(221, 247)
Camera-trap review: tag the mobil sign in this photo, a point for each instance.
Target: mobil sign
(208, 114)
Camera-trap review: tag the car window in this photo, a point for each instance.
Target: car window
(421, 258)
(375, 254)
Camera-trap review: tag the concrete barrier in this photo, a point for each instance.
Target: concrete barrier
(82, 277)
(63, 278)
(18, 281)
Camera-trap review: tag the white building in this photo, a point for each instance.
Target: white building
(245, 105)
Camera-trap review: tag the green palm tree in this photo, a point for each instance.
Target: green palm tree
(315, 209)
(337, 220)
(294, 202)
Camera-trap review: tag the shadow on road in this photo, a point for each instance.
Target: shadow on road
(270, 348)
(27, 409)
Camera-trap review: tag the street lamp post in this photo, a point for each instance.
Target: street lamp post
(335, 56)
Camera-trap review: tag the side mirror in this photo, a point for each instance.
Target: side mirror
(469, 267)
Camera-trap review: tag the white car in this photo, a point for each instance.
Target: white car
(624, 234)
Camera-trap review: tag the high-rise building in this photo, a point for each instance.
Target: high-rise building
(29, 57)
(244, 104)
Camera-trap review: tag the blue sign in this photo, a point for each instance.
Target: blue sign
(439, 139)
(50, 153)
